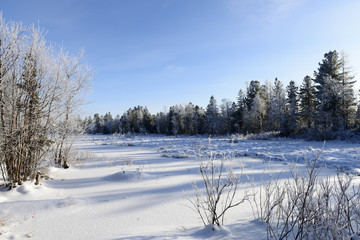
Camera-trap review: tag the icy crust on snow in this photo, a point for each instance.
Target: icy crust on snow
(339, 155)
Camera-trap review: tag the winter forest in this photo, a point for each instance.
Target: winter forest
(322, 107)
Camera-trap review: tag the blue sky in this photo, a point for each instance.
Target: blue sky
(159, 53)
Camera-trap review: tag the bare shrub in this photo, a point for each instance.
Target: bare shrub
(306, 206)
(127, 162)
(220, 189)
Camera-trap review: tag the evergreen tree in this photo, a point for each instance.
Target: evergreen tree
(108, 124)
(347, 97)
(254, 117)
(227, 116)
(334, 94)
(251, 92)
(161, 123)
(239, 111)
(148, 121)
(125, 122)
(98, 123)
(172, 125)
(189, 119)
(117, 124)
(291, 123)
(307, 103)
(277, 106)
(212, 116)
(199, 120)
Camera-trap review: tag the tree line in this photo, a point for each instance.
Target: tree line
(322, 107)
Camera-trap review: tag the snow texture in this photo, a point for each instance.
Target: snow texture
(137, 188)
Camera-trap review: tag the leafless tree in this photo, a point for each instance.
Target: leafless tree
(32, 99)
(75, 82)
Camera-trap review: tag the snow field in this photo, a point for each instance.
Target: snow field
(97, 200)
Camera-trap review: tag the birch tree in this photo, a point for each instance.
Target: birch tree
(32, 82)
(75, 78)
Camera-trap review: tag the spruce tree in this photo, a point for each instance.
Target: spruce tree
(347, 108)
(227, 116)
(334, 94)
(307, 103)
(277, 106)
(251, 92)
(189, 119)
(212, 116)
(254, 118)
(239, 112)
(290, 126)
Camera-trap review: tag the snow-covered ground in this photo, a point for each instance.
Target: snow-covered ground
(337, 154)
(137, 188)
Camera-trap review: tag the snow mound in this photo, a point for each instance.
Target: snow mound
(124, 176)
(27, 189)
(209, 233)
(70, 202)
(2, 199)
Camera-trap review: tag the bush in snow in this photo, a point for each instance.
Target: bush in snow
(220, 192)
(306, 206)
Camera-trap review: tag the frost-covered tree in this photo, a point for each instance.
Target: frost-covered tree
(347, 106)
(277, 106)
(227, 110)
(239, 112)
(117, 124)
(212, 116)
(189, 119)
(148, 121)
(74, 79)
(327, 89)
(252, 90)
(161, 123)
(254, 118)
(108, 123)
(199, 120)
(307, 103)
(37, 99)
(291, 115)
(334, 94)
